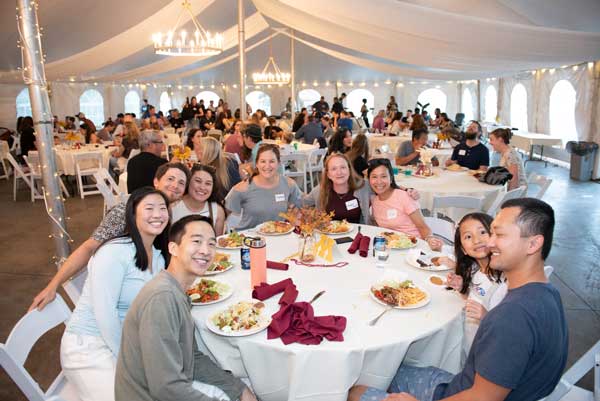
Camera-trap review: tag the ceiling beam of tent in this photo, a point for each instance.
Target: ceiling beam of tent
(35, 78)
(242, 54)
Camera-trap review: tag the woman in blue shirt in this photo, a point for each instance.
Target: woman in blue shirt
(116, 273)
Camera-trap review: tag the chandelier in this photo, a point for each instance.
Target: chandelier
(274, 77)
(201, 43)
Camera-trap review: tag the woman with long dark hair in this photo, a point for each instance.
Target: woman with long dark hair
(341, 141)
(116, 273)
(359, 154)
(27, 135)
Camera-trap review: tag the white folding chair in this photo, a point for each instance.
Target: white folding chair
(123, 183)
(503, 197)
(300, 161)
(215, 133)
(315, 165)
(74, 286)
(132, 154)
(18, 345)
(464, 203)
(540, 180)
(108, 188)
(86, 164)
(441, 228)
(33, 162)
(21, 174)
(4, 150)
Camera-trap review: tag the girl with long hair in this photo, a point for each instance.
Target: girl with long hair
(226, 168)
(116, 273)
(341, 141)
(194, 137)
(359, 154)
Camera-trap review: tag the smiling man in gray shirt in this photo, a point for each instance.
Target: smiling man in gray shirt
(159, 358)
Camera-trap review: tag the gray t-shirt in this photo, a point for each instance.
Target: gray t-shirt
(405, 149)
(258, 205)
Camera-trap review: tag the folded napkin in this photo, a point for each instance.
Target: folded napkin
(264, 290)
(355, 243)
(363, 248)
(277, 265)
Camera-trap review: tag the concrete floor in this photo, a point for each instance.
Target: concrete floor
(26, 265)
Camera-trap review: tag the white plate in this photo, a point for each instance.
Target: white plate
(259, 228)
(215, 272)
(263, 323)
(413, 255)
(226, 293)
(415, 306)
(397, 249)
(225, 247)
(457, 171)
(351, 228)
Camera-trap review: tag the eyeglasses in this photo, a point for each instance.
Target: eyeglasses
(158, 142)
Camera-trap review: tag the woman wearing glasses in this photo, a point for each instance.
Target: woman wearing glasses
(393, 208)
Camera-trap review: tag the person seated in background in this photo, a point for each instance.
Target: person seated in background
(226, 167)
(272, 131)
(87, 121)
(408, 118)
(105, 134)
(408, 151)
(309, 132)
(471, 153)
(437, 121)
(207, 121)
(379, 122)
(359, 154)
(86, 132)
(340, 142)
(300, 120)
(426, 116)
(396, 125)
(321, 106)
(150, 111)
(417, 123)
(328, 130)
(142, 167)
(345, 121)
(70, 123)
(521, 346)
(159, 358)
(393, 207)
(222, 123)
(194, 136)
(28, 140)
(509, 157)
(234, 142)
(175, 119)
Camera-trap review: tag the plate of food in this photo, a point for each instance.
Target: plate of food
(207, 291)
(241, 319)
(220, 265)
(398, 240)
(400, 294)
(431, 261)
(456, 168)
(336, 227)
(275, 228)
(233, 240)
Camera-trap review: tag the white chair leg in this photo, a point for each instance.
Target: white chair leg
(15, 187)
(64, 188)
(80, 185)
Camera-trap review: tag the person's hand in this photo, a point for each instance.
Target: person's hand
(42, 299)
(455, 281)
(413, 193)
(475, 310)
(400, 397)
(446, 261)
(450, 162)
(434, 243)
(247, 395)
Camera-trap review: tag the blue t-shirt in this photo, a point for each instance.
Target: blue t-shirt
(345, 122)
(472, 158)
(521, 345)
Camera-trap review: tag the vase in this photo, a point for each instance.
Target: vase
(307, 247)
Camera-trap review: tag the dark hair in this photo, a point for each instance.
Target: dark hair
(479, 129)
(88, 131)
(120, 115)
(417, 110)
(163, 168)
(216, 194)
(397, 116)
(360, 147)
(416, 134)
(177, 230)
(253, 132)
(265, 147)
(26, 122)
(464, 262)
(502, 133)
(374, 163)
(190, 136)
(336, 143)
(535, 218)
(364, 100)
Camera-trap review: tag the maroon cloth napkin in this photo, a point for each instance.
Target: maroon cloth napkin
(264, 290)
(363, 248)
(277, 265)
(355, 243)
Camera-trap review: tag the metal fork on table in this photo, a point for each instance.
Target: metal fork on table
(374, 321)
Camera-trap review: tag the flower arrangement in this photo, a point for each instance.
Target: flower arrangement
(426, 155)
(71, 136)
(182, 153)
(307, 219)
(443, 136)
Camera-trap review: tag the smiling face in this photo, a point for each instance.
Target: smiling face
(506, 245)
(380, 180)
(337, 170)
(267, 164)
(474, 238)
(172, 184)
(201, 186)
(151, 215)
(497, 143)
(196, 249)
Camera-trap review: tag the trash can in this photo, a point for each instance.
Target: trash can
(582, 159)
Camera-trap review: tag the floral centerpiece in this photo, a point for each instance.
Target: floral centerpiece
(183, 154)
(71, 137)
(425, 168)
(307, 221)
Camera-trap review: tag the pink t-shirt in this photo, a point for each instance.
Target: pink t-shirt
(394, 212)
(232, 145)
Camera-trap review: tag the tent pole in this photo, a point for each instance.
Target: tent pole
(242, 52)
(34, 77)
(478, 100)
(292, 73)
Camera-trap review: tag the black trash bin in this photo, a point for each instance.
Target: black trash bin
(582, 159)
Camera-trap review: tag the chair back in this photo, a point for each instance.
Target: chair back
(215, 133)
(441, 228)
(87, 161)
(467, 204)
(21, 340)
(17, 167)
(459, 119)
(108, 188)
(4, 149)
(132, 154)
(503, 197)
(33, 162)
(540, 180)
(299, 160)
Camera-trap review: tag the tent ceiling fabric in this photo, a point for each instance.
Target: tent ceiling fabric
(339, 39)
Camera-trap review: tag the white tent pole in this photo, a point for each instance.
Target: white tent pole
(478, 100)
(242, 51)
(34, 77)
(293, 73)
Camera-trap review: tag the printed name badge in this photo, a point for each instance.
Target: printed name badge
(462, 152)
(279, 197)
(392, 213)
(352, 204)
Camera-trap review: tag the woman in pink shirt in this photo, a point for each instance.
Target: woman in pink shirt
(233, 142)
(393, 208)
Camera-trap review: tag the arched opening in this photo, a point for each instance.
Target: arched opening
(23, 104)
(491, 104)
(259, 100)
(308, 97)
(562, 111)
(436, 98)
(165, 103)
(92, 105)
(207, 96)
(467, 105)
(354, 102)
(518, 107)
(132, 103)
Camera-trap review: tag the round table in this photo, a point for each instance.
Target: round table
(66, 163)
(376, 141)
(369, 355)
(447, 183)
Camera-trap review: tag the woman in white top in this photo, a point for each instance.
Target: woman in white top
(509, 157)
(202, 197)
(193, 142)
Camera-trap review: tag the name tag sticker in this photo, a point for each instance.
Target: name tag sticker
(462, 152)
(352, 204)
(392, 213)
(279, 197)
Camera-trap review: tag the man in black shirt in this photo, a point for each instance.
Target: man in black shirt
(141, 168)
(321, 106)
(471, 153)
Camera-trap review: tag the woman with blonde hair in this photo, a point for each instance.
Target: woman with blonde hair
(359, 154)
(227, 169)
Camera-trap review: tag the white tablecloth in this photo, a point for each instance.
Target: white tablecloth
(376, 141)
(526, 140)
(368, 355)
(66, 163)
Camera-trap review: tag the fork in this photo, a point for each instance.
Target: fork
(317, 296)
(374, 321)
